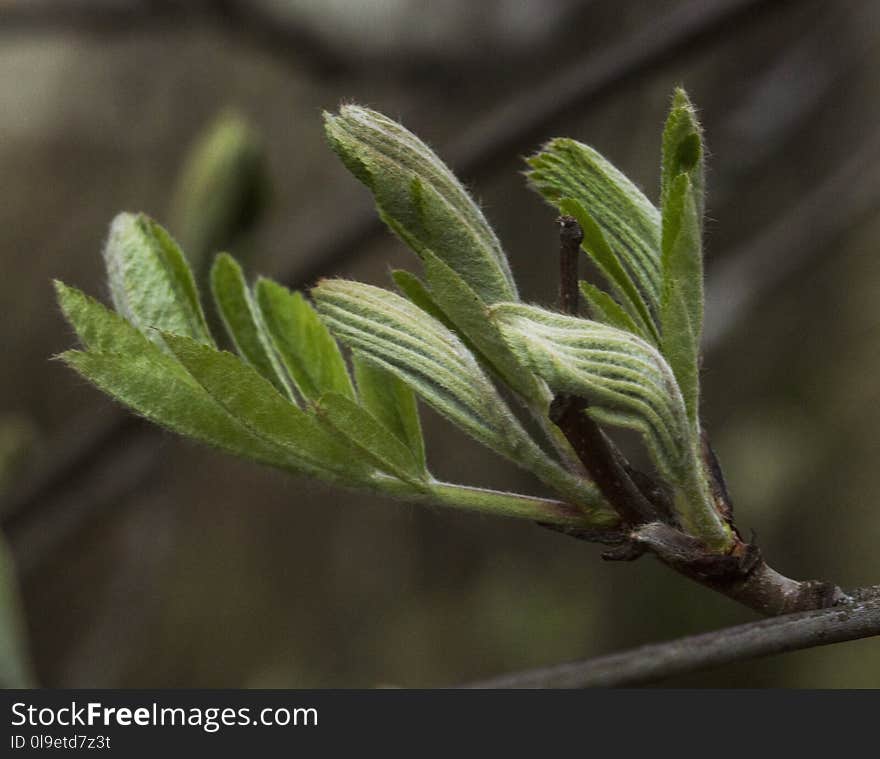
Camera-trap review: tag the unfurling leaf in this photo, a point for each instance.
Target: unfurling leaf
(244, 322)
(628, 220)
(471, 316)
(307, 349)
(627, 383)
(623, 377)
(681, 306)
(399, 337)
(416, 292)
(681, 311)
(683, 151)
(150, 281)
(421, 199)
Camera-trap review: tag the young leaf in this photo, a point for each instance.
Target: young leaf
(603, 308)
(181, 405)
(150, 281)
(682, 199)
(628, 220)
(391, 402)
(132, 369)
(306, 347)
(683, 151)
(386, 451)
(470, 315)
(243, 321)
(417, 293)
(623, 377)
(411, 287)
(402, 339)
(98, 328)
(256, 404)
(420, 198)
(681, 310)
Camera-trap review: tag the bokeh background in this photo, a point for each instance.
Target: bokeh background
(147, 561)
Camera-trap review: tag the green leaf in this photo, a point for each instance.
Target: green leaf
(306, 347)
(683, 151)
(517, 506)
(471, 317)
(159, 389)
(681, 312)
(614, 370)
(596, 246)
(150, 281)
(628, 384)
(378, 443)
(243, 321)
(222, 188)
(402, 339)
(410, 286)
(258, 406)
(391, 402)
(681, 308)
(418, 293)
(98, 328)
(420, 198)
(603, 308)
(628, 220)
(132, 369)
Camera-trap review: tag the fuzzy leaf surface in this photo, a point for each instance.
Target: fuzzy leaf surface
(150, 280)
(625, 378)
(681, 312)
(243, 321)
(256, 404)
(377, 443)
(391, 401)
(629, 221)
(401, 338)
(306, 347)
(471, 317)
(421, 199)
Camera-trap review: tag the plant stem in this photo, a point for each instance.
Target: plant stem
(494, 502)
(597, 455)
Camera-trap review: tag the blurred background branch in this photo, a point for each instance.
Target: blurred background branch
(652, 663)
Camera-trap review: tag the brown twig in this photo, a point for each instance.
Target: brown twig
(857, 618)
(570, 238)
